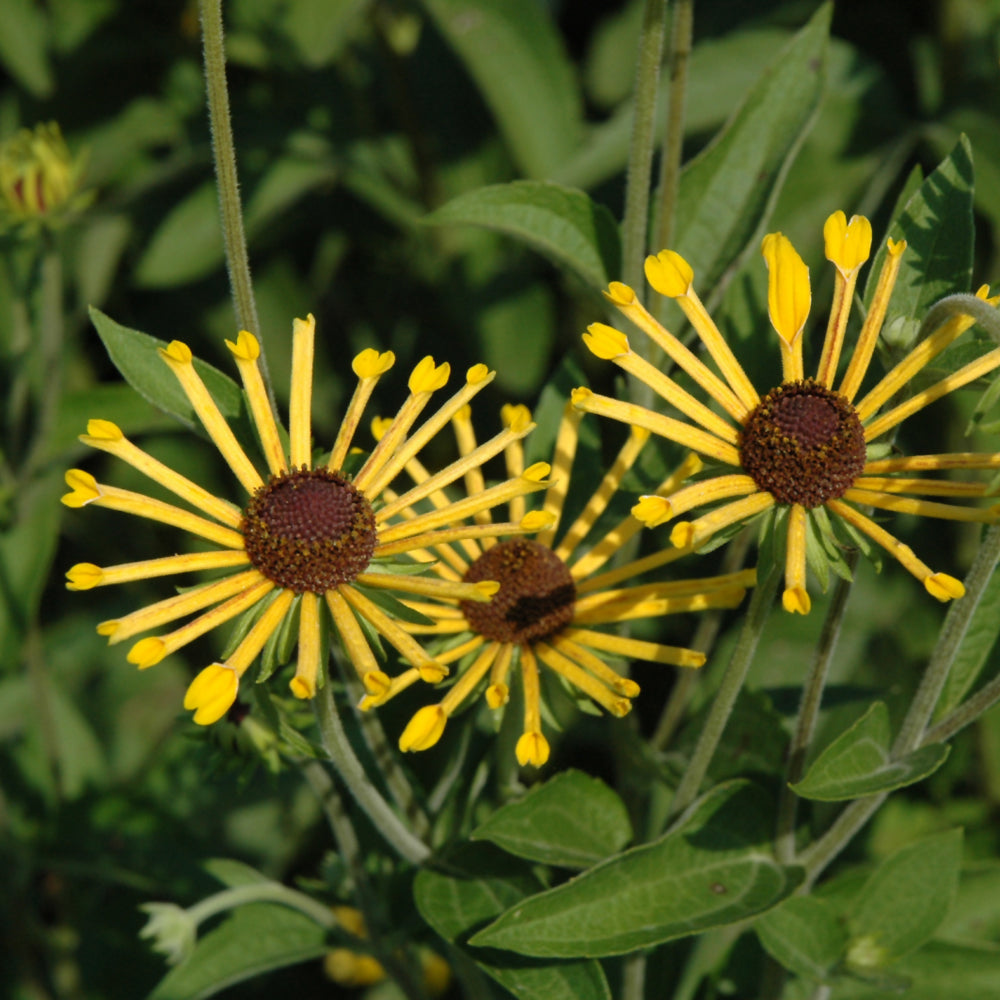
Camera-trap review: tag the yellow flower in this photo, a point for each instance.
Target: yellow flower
(803, 446)
(555, 599)
(38, 177)
(307, 537)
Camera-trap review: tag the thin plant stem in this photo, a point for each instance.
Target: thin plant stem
(634, 976)
(342, 756)
(681, 32)
(635, 226)
(259, 892)
(805, 723)
(953, 631)
(707, 632)
(729, 689)
(986, 697)
(224, 156)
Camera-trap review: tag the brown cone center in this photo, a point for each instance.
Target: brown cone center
(803, 444)
(536, 596)
(309, 530)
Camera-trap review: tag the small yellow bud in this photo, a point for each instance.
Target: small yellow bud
(103, 430)
(515, 418)
(376, 682)
(944, 587)
(177, 353)
(536, 520)
(424, 729)
(83, 576)
(246, 348)
(847, 244)
(652, 511)
(428, 377)
(605, 342)
(147, 652)
(796, 601)
(370, 364)
(620, 294)
(669, 273)
(497, 695)
(532, 748)
(536, 473)
(212, 693)
(477, 374)
(84, 488)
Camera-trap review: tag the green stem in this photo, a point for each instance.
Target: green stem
(224, 155)
(342, 756)
(953, 631)
(261, 892)
(635, 226)
(986, 697)
(50, 355)
(729, 689)
(805, 725)
(681, 32)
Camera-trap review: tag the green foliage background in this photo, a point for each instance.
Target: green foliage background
(377, 146)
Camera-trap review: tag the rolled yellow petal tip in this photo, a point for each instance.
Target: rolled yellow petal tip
(532, 748)
(83, 576)
(795, 600)
(478, 374)
(376, 682)
(212, 693)
(109, 628)
(683, 535)
(463, 414)
(944, 587)
(620, 294)
(497, 695)
(788, 293)
(379, 426)
(629, 688)
(487, 589)
(579, 396)
(895, 248)
(246, 346)
(619, 707)
(424, 729)
(370, 363)
(84, 488)
(847, 244)
(177, 352)
(428, 377)
(515, 417)
(147, 652)
(302, 687)
(536, 520)
(104, 430)
(652, 511)
(691, 465)
(304, 326)
(669, 273)
(605, 342)
(432, 672)
(536, 473)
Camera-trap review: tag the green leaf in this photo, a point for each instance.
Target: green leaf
(975, 917)
(136, 356)
(858, 762)
(24, 33)
(937, 225)
(728, 191)
(479, 885)
(572, 820)
(906, 899)
(516, 58)
(714, 868)
(561, 223)
(804, 935)
(232, 873)
(257, 938)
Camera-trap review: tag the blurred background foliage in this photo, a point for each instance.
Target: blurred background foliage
(354, 121)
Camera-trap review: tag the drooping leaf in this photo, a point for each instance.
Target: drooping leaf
(479, 883)
(858, 762)
(516, 58)
(561, 223)
(256, 938)
(907, 897)
(714, 868)
(572, 820)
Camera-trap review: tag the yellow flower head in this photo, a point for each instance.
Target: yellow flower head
(308, 539)
(555, 599)
(803, 445)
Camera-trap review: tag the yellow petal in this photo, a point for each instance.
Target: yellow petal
(669, 273)
(532, 748)
(847, 244)
(424, 729)
(212, 693)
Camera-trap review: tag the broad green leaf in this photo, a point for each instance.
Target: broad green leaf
(938, 228)
(516, 58)
(232, 873)
(572, 820)
(975, 917)
(727, 192)
(714, 868)
(979, 639)
(804, 935)
(906, 899)
(480, 883)
(136, 356)
(320, 29)
(256, 938)
(858, 762)
(24, 33)
(561, 223)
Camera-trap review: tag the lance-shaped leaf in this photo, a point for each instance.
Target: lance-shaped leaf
(714, 868)
(859, 762)
(561, 223)
(478, 883)
(572, 820)
(804, 935)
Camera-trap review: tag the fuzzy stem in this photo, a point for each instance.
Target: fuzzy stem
(966, 713)
(729, 689)
(259, 892)
(367, 796)
(224, 155)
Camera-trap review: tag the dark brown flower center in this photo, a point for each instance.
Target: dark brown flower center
(309, 530)
(803, 444)
(536, 595)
